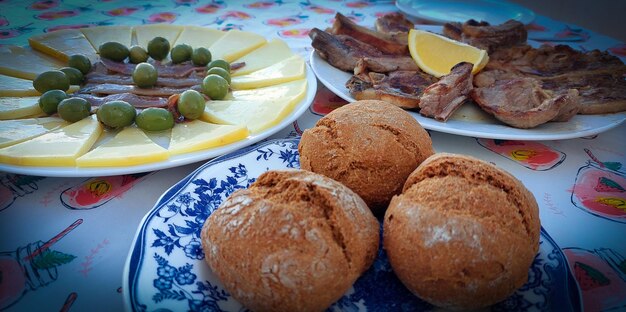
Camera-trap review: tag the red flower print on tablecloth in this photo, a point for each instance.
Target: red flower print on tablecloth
(4, 21)
(358, 4)
(50, 16)
(619, 50)
(569, 32)
(76, 26)
(15, 32)
(318, 9)
(236, 15)
(161, 17)
(535, 27)
(294, 33)
(44, 5)
(286, 21)
(262, 4)
(210, 8)
(123, 11)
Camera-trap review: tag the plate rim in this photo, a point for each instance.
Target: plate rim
(519, 134)
(177, 160)
(528, 15)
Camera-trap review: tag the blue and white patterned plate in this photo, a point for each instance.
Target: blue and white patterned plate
(165, 269)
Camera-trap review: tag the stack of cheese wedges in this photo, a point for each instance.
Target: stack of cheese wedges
(264, 92)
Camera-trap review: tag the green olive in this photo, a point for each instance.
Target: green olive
(201, 56)
(74, 75)
(50, 100)
(137, 54)
(51, 80)
(220, 72)
(80, 62)
(74, 109)
(155, 119)
(219, 63)
(116, 114)
(181, 53)
(114, 51)
(215, 87)
(145, 75)
(191, 104)
(158, 48)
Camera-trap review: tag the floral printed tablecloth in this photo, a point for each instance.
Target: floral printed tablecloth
(90, 222)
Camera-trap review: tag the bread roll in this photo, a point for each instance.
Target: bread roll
(369, 146)
(463, 233)
(293, 241)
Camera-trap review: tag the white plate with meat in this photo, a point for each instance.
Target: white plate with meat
(470, 120)
(494, 12)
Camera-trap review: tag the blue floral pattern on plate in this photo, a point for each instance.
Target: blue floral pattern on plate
(165, 269)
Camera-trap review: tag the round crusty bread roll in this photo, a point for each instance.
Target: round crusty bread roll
(369, 146)
(463, 233)
(293, 241)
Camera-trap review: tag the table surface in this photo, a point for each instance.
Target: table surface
(97, 233)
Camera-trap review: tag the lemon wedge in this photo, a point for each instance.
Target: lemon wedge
(436, 54)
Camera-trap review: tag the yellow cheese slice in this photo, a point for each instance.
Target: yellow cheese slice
(198, 135)
(23, 62)
(16, 131)
(18, 107)
(255, 115)
(62, 44)
(284, 71)
(60, 147)
(100, 34)
(283, 90)
(11, 86)
(268, 54)
(145, 33)
(130, 147)
(235, 44)
(197, 36)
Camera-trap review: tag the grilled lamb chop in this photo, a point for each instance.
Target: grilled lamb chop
(522, 103)
(343, 52)
(386, 43)
(441, 99)
(487, 37)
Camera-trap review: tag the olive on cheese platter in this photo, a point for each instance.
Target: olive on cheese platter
(126, 99)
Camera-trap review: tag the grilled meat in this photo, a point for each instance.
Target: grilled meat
(441, 99)
(386, 43)
(487, 37)
(343, 52)
(395, 24)
(522, 103)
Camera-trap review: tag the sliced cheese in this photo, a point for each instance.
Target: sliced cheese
(255, 115)
(25, 63)
(268, 54)
(235, 44)
(17, 87)
(100, 34)
(198, 135)
(145, 33)
(18, 107)
(283, 90)
(284, 71)
(60, 147)
(62, 44)
(16, 131)
(130, 147)
(197, 36)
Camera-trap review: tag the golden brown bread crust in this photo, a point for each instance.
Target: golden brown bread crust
(369, 146)
(463, 233)
(293, 241)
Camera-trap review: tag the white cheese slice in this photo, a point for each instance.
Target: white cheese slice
(255, 115)
(18, 107)
(17, 87)
(235, 44)
(145, 33)
(197, 36)
(198, 135)
(25, 63)
(62, 44)
(283, 90)
(60, 147)
(284, 71)
(130, 147)
(100, 34)
(268, 54)
(16, 131)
